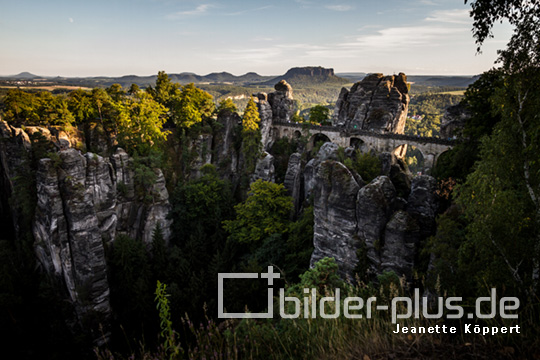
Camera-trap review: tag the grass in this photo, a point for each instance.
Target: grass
(340, 338)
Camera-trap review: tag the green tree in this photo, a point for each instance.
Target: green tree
(140, 122)
(367, 165)
(104, 107)
(459, 161)
(116, 92)
(80, 104)
(251, 136)
(226, 105)
(158, 262)
(319, 114)
(165, 90)
(53, 110)
(191, 106)
(265, 212)
(133, 89)
(201, 206)
(21, 107)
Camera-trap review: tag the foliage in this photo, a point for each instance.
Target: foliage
(164, 91)
(140, 122)
(116, 92)
(319, 114)
(145, 173)
(226, 105)
(282, 149)
(458, 162)
(131, 287)
(200, 206)
(265, 212)
(367, 165)
(36, 109)
(251, 136)
(191, 106)
(426, 111)
(486, 13)
(168, 335)
(323, 276)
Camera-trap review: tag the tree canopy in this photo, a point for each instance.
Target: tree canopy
(265, 212)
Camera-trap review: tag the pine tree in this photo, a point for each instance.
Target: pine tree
(251, 136)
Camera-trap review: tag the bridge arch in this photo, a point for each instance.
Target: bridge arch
(359, 144)
(316, 138)
(297, 134)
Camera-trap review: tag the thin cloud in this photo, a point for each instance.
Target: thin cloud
(249, 10)
(71, 20)
(199, 10)
(339, 7)
(456, 16)
(428, 2)
(305, 3)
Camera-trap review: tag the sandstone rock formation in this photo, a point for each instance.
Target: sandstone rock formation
(278, 106)
(335, 216)
(264, 169)
(202, 148)
(377, 103)
(83, 202)
(373, 221)
(225, 155)
(294, 180)
(328, 151)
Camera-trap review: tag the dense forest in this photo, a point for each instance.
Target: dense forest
(164, 295)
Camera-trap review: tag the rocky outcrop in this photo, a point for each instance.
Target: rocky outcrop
(372, 221)
(278, 106)
(423, 203)
(453, 121)
(264, 169)
(83, 202)
(224, 154)
(14, 150)
(374, 206)
(377, 103)
(401, 237)
(67, 229)
(201, 147)
(335, 216)
(328, 151)
(282, 102)
(312, 75)
(266, 116)
(309, 71)
(294, 180)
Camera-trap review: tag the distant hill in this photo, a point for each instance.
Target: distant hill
(438, 80)
(298, 77)
(22, 76)
(309, 75)
(352, 76)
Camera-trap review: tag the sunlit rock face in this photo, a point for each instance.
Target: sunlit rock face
(277, 106)
(377, 103)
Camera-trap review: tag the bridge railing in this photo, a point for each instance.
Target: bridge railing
(352, 132)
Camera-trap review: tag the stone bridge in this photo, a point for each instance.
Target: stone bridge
(430, 147)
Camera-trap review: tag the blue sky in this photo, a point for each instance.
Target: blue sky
(121, 37)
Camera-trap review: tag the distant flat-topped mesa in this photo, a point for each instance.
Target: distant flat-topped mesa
(377, 103)
(310, 71)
